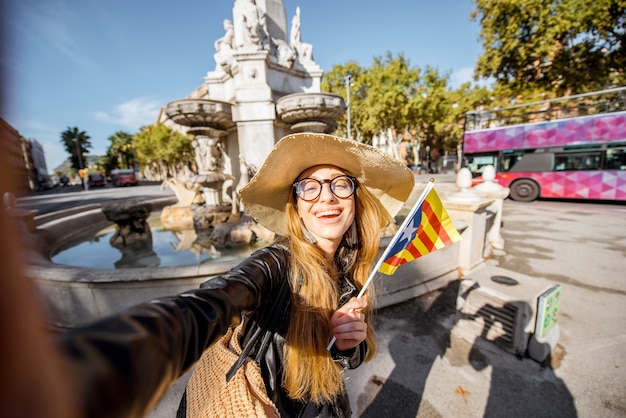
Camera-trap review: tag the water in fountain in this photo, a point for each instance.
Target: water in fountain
(169, 248)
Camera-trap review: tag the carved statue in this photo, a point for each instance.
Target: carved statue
(285, 54)
(226, 41)
(253, 23)
(304, 50)
(185, 194)
(209, 155)
(224, 47)
(247, 172)
(295, 36)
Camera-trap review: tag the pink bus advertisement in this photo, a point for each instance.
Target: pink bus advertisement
(579, 157)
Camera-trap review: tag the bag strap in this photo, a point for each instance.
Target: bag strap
(256, 330)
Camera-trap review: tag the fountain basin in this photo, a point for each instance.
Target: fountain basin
(311, 112)
(74, 295)
(201, 113)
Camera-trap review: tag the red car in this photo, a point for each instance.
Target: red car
(96, 180)
(123, 178)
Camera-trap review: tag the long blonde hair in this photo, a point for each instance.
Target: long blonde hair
(309, 371)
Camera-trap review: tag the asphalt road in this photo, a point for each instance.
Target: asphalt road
(61, 198)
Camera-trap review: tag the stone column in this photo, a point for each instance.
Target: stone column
(472, 244)
(491, 190)
(255, 111)
(470, 208)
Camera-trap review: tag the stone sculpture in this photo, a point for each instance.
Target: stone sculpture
(186, 194)
(253, 28)
(224, 47)
(304, 50)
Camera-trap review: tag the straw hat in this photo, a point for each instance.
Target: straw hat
(265, 197)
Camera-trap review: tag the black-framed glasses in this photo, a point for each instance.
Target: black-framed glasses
(309, 189)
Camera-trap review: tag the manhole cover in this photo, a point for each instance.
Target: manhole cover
(504, 280)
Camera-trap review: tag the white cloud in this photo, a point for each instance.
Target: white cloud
(132, 114)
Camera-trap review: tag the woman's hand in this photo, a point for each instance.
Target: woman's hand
(348, 324)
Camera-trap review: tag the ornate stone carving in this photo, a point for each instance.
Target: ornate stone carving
(304, 50)
(224, 47)
(251, 26)
(186, 195)
(316, 112)
(201, 113)
(131, 225)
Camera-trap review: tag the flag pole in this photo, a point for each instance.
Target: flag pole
(385, 254)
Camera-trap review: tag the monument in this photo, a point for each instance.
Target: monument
(265, 85)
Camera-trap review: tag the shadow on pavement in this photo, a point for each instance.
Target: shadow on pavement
(519, 386)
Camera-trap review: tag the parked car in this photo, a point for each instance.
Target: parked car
(64, 181)
(96, 180)
(123, 177)
(47, 182)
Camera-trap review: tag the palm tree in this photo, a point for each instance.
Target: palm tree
(77, 144)
(121, 149)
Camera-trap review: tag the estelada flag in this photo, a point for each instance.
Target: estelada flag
(427, 228)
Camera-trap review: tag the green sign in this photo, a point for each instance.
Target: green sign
(548, 310)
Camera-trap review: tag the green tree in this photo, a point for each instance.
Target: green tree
(557, 47)
(161, 151)
(77, 144)
(398, 102)
(121, 152)
(335, 81)
(379, 95)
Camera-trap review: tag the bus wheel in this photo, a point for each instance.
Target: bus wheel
(524, 190)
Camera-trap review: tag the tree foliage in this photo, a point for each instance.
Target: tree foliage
(77, 144)
(396, 101)
(162, 150)
(557, 47)
(121, 150)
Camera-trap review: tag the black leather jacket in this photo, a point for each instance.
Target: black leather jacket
(123, 364)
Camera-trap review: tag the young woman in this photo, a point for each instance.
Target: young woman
(327, 199)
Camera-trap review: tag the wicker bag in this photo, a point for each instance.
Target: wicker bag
(210, 395)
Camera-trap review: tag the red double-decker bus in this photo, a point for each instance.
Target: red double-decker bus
(572, 147)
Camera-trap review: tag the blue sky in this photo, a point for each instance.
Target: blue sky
(106, 66)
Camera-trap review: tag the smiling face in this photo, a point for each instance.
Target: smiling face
(327, 217)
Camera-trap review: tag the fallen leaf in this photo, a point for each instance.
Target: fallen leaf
(462, 392)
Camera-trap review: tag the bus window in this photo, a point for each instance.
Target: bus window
(577, 161)
(534, 161)
(560, 162)
(615, 159)
(508, 159)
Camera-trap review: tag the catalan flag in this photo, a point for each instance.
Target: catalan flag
(426, 229)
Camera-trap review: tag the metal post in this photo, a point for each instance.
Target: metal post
(348, 79)
(78, 154)
(80, 164)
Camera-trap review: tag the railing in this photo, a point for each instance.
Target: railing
(604, 101)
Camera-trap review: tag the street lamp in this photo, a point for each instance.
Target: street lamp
(80, 164)
(348, 80)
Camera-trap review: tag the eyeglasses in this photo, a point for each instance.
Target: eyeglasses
(309, 189)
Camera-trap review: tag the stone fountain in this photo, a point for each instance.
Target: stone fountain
(262, 88)
(265, 85)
